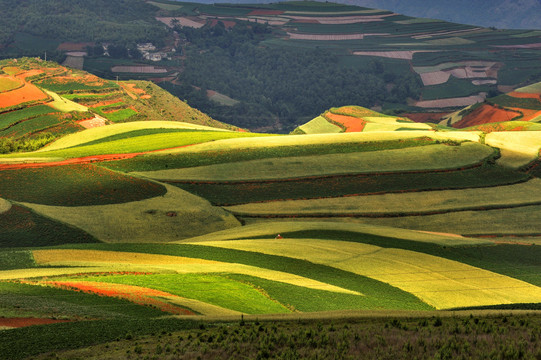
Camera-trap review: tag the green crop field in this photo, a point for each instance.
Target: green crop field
(75, 185)
(524, 103)
(7, 84)
(120, 115)
(9, 118)
(408, 159)
(319, 125)
(67, 86)
(226, 193)
(30, 126)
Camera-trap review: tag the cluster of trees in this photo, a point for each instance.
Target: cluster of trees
(288, 85)
(9, 145)
(119, 22)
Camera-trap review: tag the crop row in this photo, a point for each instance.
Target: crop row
(226, 193)
(31, 126)
(9, 118)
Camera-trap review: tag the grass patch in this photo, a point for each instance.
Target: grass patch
(240, 193)
(67, 86)
(21, 227)
(513, 102)
(75, 185)
(7, 84)
(120, 115)
(65, 105)
(319, 125)
(16, 259)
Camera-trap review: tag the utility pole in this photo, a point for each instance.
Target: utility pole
(45, 55)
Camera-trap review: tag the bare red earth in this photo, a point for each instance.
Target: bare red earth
(352, 124)
(485, 114)
(522, 95)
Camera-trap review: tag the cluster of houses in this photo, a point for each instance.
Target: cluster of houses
(148, 50)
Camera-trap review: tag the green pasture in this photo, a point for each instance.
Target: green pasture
(224, 155)
(401, 204)
(534, 88)
(214, 289)
(82, 97)
(22, 227)
(433, 157)
(241, 193)
(12, 117)
(89, 135)
(30, 126)
(74, 185)
(165, 217)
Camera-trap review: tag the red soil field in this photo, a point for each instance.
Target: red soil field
(22, 322)
(266, 12)
(24, 94)
(425, 117)
(29, 73)
(485, 114)
(135, 294)
(522, 95)
(351, 124)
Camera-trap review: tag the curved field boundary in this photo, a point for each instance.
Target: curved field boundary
(322, 139)
(26, 94)
(508, 222)
(439, 282)
(433, 157)
(9, 83)
(270, 229)
(405, 204)
(173, 216)
(167, 263)
(319, 125)
(96, 134)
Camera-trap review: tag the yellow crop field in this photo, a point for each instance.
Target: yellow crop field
(115, 129)
(518, 194)
(321, 139)
(4, 205)
(9, 83)
(320, 125)
(176, 215)
(273, 228)
(45, 272)
(439, 282)
(415, 158)
(126, 261)
(63, 104)
(520, 146)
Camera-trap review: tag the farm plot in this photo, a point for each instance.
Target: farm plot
(64, 105)
(141, 144)
(520, 221)
(9, 118)
(402, 204)
(169, 217)
(439, 282)
(225, 193)
(431, 157)
(349, 123)
(451, 102)
(75, 185)
(134, 262)
(523, 145)
(319, 125)
(485, 113)
(20, 227)
(9, 83)
(30, 126)
(87, 136)
(66, 84)
(27, 94)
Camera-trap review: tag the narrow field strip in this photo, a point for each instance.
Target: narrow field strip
(515, 221)
(431, 157)
(112, 259)
(320, 139)
(173, 216)
(439, 282)
(523, 194)
(237, 193)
